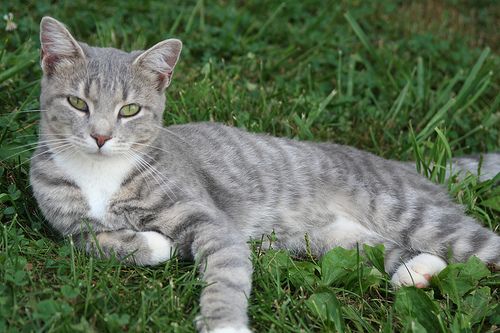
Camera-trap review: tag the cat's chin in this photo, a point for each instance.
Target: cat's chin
(100, 154)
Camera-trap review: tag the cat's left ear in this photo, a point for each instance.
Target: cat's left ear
(161, 60)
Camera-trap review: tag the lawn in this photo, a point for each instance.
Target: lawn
(405, 80)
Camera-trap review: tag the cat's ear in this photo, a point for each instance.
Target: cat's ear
(57, 45)
(160, 60)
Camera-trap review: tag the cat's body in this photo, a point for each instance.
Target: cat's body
(206, 189)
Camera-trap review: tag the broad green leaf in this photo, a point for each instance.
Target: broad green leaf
(458, 279)
(495, 318)
(69, 292)
(302, 274)
(475, 306)
(415, 327)
(348, 269)
(376, 256)
(338, 265)
(493, 203)
(414, 305)
(51, 309)
(326, 306)
(83, 326)
(116, 322)
(276, 261)
(4, 197)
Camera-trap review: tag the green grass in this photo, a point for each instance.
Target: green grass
(412, 81)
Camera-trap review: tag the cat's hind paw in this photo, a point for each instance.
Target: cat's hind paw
(418, 271)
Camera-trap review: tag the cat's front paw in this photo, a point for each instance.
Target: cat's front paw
(160, 248)
(231, 329)
(146, 248)
(418, 271)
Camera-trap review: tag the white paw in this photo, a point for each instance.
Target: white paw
(160, 246)
(418, 271)
(231, 329)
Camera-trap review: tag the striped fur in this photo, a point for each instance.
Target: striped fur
(206, 189)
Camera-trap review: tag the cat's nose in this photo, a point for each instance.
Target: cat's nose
(100, 139)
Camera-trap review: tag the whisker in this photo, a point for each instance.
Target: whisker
(154, 147)
(155, 173)
(173, 134)
(32, 110)
(13, 113)
(129, 156)
(62, 148)
(21, 152)
(72, 153)
(65, 149)
(36, 134)
(155, 178)
(41, 142)
(159, 173)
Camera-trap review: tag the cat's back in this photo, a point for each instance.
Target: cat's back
(216, 140)
(265, 161)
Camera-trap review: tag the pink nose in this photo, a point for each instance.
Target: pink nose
(100, 139)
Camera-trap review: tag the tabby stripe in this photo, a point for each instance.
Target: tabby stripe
(292, 188)
(262, 149)
(414, 224)
(220, 285)
(350, 166)
(136, 171)
(218, 313)
(478, 241)
(86, 87)
(231, 262)
(448, 224)
(400, 192)
(125, 89)
(251, 169)
(372, 169)
(233, 173)
(223, 312)
(211, 247)
(56, 182)
(192, 221)
(51, 99)
(218, 301)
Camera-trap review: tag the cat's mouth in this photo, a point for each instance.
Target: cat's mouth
(103, 153)
(96, 152)
(97, 147)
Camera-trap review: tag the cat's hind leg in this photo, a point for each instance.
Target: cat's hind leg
(449, 235)
(343, 232)
(406, 265)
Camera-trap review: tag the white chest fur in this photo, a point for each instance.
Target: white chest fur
(98, 178)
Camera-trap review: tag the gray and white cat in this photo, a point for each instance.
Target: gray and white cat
(104, 161)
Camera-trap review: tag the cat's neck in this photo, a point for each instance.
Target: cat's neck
(99, 177)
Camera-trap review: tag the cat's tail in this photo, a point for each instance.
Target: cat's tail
(486, 166)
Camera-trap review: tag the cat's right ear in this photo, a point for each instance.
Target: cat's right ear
(57, 45)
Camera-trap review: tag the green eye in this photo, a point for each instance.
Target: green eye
(129, 110)
(78, 103)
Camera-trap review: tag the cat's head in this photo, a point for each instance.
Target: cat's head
(101, 101)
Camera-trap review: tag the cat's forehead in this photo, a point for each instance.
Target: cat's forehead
(107, 71)
(108, 61)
